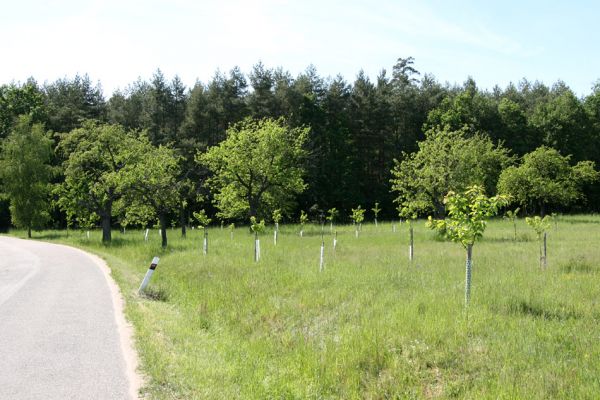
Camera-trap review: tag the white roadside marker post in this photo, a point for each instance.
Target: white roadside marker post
(88, 234)
(146, 235)
(148, 275)
(205, 244)
(159, 232)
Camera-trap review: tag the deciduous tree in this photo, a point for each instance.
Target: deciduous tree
(257, 169)
(25, 173)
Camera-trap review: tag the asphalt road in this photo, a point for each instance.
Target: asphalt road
(60, 335)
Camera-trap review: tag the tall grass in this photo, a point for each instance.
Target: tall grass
(371, 325)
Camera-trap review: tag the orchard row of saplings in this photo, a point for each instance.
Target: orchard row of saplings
(465, 223)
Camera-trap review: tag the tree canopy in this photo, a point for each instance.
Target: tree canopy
(358, 128)
(446, 161)
(546, 178)
(257, 168)
(25, 173)
(95, 156)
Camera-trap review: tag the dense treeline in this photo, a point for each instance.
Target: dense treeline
(356, 131)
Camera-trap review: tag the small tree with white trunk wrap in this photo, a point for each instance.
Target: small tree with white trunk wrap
(466, 222)
(376, 211)
(408, 211)
(256, 227)
(203, 222)
(358, 216)
(540, 226)
(303, 221)
(331, 217)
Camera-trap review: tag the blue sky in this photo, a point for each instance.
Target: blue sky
(118, 41)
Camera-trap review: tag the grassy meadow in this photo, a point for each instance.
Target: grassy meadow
(371, 325)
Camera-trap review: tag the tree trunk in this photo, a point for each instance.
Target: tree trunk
(469, 266)
(253, 208)
(162, 217)
(106, 232)
(29, 232)
(183, 220)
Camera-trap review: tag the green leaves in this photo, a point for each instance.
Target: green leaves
(25, 173)
(303, 217)
(467, 215)
(512, 215)
(376, 210)
(332, 214)
(96, 155)
(202, 218)
(446, 161)
(539, 225)
(277, 216)
(546, 178)
(358, 215)
(257, 168)
(255, 226)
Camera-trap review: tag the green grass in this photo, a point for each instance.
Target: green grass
(370, 325)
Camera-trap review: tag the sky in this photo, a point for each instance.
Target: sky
(118, 41)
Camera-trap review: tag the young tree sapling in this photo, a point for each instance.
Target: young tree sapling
(540, 226)
(466, 222)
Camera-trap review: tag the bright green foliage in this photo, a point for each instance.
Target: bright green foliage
(257, 168)
(358, 215)
(255, 226)
(546, 178)
(332, 214)
(410, 210)
(25, 173)
(539, 224)
(467, 215)
(17, 100)
(466, 222)
(151, 184)
(512, 214)
(96, 155)
(512, 217)
(303, 218)
(446, 161)
(277, 216)
(376, 210)
(202, 218)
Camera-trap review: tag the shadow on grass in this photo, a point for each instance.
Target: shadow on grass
(520, 239)
(49, 235)
(156, 294)
(534, 310)
(578, 265)
(578, 221)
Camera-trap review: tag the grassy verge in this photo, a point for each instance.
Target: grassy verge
(370, 325)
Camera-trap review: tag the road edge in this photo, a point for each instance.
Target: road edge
(124, 327)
